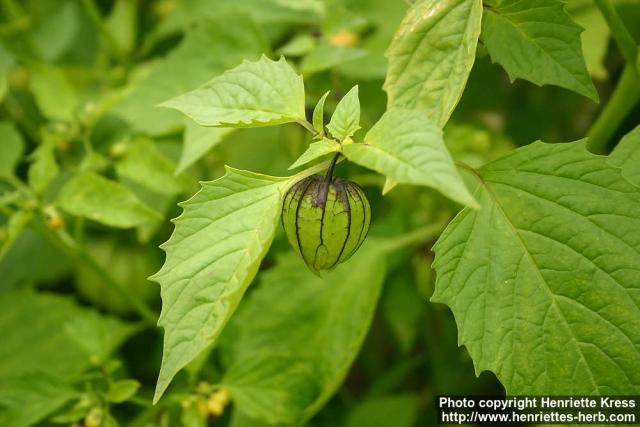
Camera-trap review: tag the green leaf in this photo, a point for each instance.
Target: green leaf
(316, 149)
(145, 165)
(27, 399)
(11, 148)
(272, 387)
(318, 114)
(212, 256)
(259, 93)
(58, 29)
(94, 197)
(431, 56)
(6, 63)
(385, 411)
(16, 223)
(122, 24)
(594, 38)
(34, 379)
(316, 323)
(326, 56)
(543, 279)
(627, 156)
(537, 41)
(407, 148)
(122, 390)
(209, 47)
(198, 140)
(44, 167)
(345, 120)
(97, 335)
(55, 95)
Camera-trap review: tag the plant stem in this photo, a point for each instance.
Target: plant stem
(419, 235)
(93, 12)
(625, 41)
(308, 126)
(65, 242)
(332, 165)
(624, 98)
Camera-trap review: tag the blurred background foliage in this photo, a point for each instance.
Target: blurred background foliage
(91, 171)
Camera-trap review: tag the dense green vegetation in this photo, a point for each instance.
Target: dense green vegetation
(118, 116)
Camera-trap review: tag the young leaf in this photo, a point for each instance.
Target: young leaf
(43, 168)
(11, 148)
(122, 390)
(318, 324)
(317, 149)
(385, 411)
(627, 156)
(14, 226)
(326, 56)
(345, 120)
(407, 148)
(198, 140)
(537, 41)
(549, 266)
(431, 56)
(213, 254)
(94, 197)
(318, 114)
(259, 93)
(54, 93)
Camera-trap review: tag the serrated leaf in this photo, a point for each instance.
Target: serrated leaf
(431, 56)
(407, 148)
(11, 148)
(212, 44)
(316, 149)
(44, 167)
(543, 279)
(626, 156)
(345, 120)
(97, 198)
(259, 93)
(318, 114)
(213, 254)
(537, 41)
(317, 323)
(122, 390)
(198, 140)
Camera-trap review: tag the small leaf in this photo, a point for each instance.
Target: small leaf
(98, 335)
(316, 149)
(259, 93)
(44, 167)
(122, 390)
(626, 156)
(94, 197)
(407, 148)
(198, 140)
(543, 280)
(537, 41)
(11, 148)
(345, 120)
(212, 256)
(318, 114)
(431, 56)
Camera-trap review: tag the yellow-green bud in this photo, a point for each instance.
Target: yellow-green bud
(326, 220)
